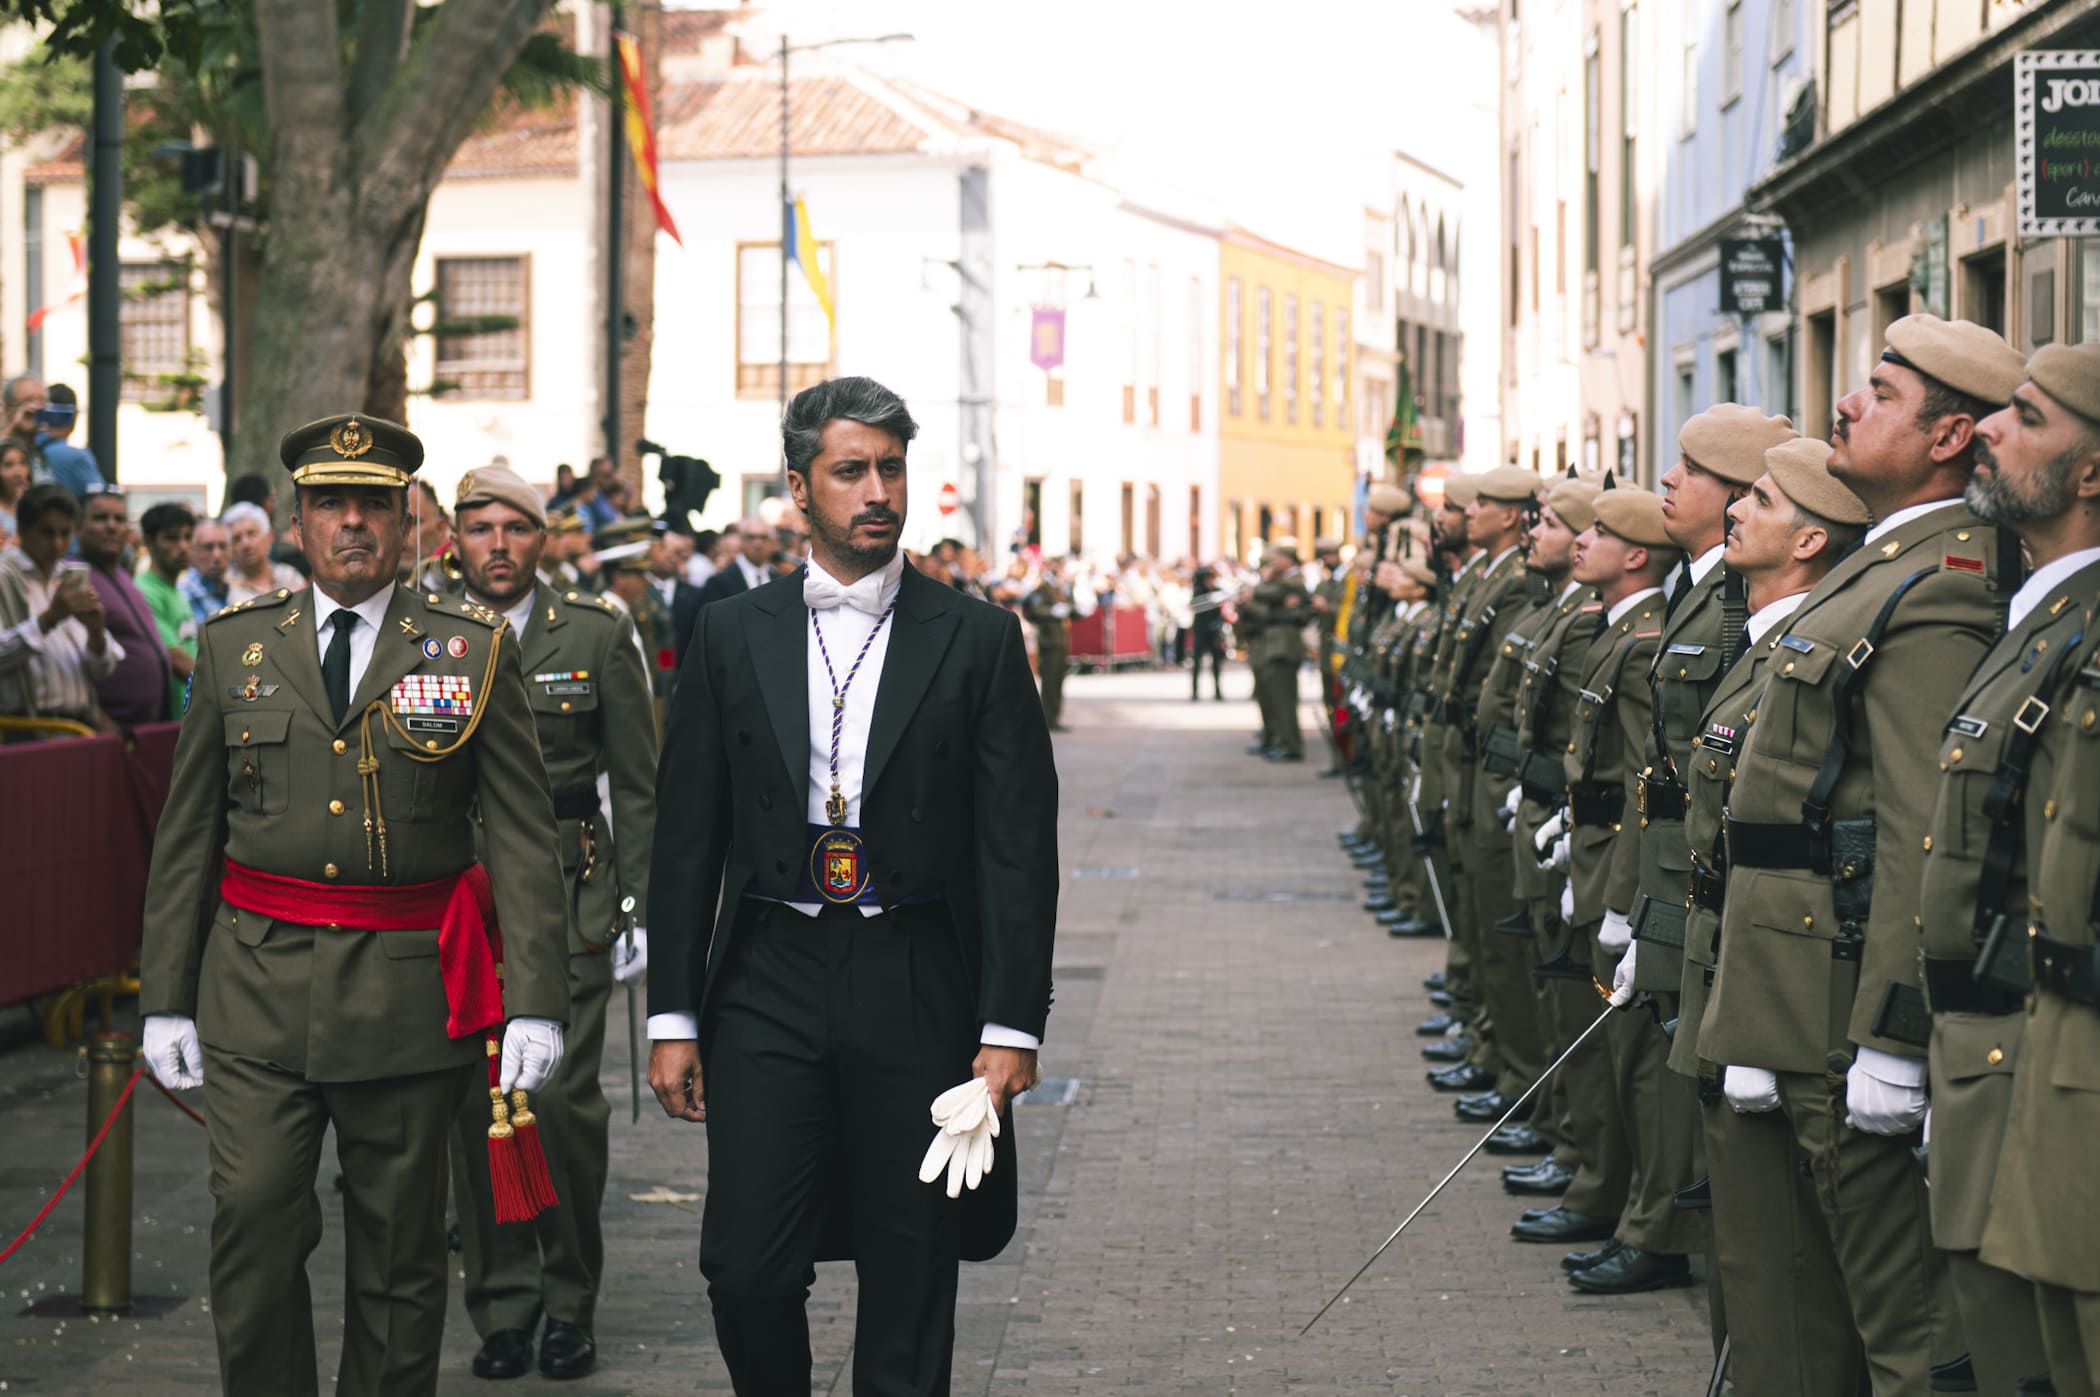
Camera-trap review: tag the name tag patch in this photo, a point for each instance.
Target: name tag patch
(449, 695)
(1719, 738)
(1969, 727)
(1680, 648)
(420, 723)
(1798, 645)
(570, 686)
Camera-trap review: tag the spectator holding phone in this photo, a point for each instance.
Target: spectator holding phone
(20, 401)
(70, 465)
(55, 644)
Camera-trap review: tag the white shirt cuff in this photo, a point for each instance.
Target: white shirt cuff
(1000, 1036)
(664, 1028)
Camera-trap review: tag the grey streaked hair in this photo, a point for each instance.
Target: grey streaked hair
(860, 400)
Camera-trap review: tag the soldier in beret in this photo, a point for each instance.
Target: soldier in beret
(2038, 474)
(595, 716)
(1274, 615)
(1829, 824)
(322, 951)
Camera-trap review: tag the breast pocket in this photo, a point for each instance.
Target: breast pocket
(1794, 716)
(1687, 673)
(408, 786)
(1969, 760)
(259, 760)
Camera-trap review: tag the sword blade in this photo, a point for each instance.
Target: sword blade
(1719, 1380)
(1394, 1236)
(1436, 888)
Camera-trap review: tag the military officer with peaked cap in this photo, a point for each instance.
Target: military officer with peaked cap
(1829, 818)
(2038, 474)
(321, 952)
(1786, 1313)
(591, 704)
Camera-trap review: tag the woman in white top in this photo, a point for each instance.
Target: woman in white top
(253, 574)
(53, 645)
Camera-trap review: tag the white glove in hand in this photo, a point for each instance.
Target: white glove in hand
(531, 1052)
(1750, 1090)
(1542, 840)
(1622, 978)
(1885, 1094)
(1617, 933)
(630, 955)
(1567, 902)
(173, 1054)
(1557, 858)
(962, 1147)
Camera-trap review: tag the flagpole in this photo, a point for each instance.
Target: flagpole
(787, 240)
(615, 231)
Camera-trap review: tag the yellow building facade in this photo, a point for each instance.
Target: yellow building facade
(1286, 450)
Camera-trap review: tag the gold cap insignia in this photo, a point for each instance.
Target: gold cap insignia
(351, 440)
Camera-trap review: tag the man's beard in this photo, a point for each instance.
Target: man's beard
(839, 541)
(1997, 500)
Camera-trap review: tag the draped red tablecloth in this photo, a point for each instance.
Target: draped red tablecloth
(77, 817)
(1096, 641)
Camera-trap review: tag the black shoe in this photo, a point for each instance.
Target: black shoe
(1347, 837)
(1457, 1048)
(1464, 1076)
(1561, 1226)
(1259, 749)
(1328, 775)
(1694, 1198)
(1629, 1270)
(1549, 1180)
(1369, 860)
(1379, 903)
(1441, 999)
(1956, 1375)
(1402, 923)
(567, 1350)
(1436, 1027)
(1517, 1139)
(507, 1353)
(1515, 924)
(1433, 982)
(1488, 1107)
(1582, 1260)
(1378, 883)
(1278, 755)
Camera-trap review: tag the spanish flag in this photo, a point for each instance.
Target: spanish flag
(641, 129)
(804, 255)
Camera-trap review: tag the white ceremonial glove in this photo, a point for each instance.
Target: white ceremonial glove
(1542, 839)
(1557, 858)
(1750, 1091)
(1927, 1141)
(172, 1052)
(1567, 902)
(630, 955)
(962, 1147)
(1885, 1094)
(1622, 978)
(531, 1052)
(1511, 801)
(1617, 933)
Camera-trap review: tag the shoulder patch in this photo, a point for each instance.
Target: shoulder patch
(1956, 562)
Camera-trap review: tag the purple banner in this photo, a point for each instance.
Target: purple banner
(1046, 339)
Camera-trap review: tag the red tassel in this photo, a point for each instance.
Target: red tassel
(517, 1164)
(536, 1179)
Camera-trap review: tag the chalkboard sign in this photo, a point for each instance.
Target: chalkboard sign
(2056, 132)
(1751, 278)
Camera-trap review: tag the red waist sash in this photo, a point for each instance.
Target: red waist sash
(461, 908)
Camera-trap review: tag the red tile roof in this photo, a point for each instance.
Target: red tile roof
(738, 117)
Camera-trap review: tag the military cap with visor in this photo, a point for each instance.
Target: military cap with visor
(351, 448)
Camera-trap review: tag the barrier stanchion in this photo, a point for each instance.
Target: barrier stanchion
(105, 1252)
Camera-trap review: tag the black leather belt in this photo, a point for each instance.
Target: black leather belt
(1951, 987)
(1594, 804)
(1661, 798)
(1765, 846)
(2067, 971)
(1706, 889)
(576, 805)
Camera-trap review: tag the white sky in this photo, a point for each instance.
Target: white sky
(1277, 115)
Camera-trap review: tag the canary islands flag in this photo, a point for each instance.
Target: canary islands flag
(803, 253)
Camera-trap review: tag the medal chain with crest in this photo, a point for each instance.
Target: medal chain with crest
(835, 807)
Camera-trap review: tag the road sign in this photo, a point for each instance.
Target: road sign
(950, 499)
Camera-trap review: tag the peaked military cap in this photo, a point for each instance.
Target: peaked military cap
(1801, 469)
(2069, 373)
(1959, 353)
(351, 448)
(1730, 441)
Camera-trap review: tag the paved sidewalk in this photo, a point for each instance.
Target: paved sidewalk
(1247, 1119)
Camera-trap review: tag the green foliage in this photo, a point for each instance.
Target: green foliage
(143, 37)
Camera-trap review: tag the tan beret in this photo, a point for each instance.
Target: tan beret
(501, 485)
(1387, 499)
(2070, 374)
(1801, 470)
(1460, 490)
(1327, 543)
(1959, 353)
(1508, 484)
(1284, 543)
(1417, 566)
(1729, 440)
(1633, 515)
(1573, 502)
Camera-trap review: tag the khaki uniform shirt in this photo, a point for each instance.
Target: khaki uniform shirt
(1607, 733)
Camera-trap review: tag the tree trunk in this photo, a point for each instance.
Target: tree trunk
(386, 393)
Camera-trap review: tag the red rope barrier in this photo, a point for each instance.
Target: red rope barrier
(123, 1100)
(177, 1102)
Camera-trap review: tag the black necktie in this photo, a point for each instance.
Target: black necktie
(1742, 647)
(1680, 584)
(335, 665)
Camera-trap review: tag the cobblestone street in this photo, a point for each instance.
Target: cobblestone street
(1237, 1114)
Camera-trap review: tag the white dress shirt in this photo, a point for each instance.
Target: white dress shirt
(1706, 562)
(1771, 614)
(364, 636)
(756, 577)
(2044, 580)
(1904, 516)
(1626, 604)
(845, 629)
(63, 671)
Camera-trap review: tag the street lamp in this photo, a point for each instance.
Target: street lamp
(787, 208)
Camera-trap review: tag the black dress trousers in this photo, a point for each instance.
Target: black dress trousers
(830, 1038)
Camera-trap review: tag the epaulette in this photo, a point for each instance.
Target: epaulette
(582, 603)
(461, 606)
(267, 599)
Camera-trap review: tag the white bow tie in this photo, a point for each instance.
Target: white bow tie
(821, 592)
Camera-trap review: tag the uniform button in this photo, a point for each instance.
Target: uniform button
(941, 744)
(1789, 668)
(564, 705)
(1955, 755)
(335, 926)
(1808, 923)
(2049, 809)
(328, 870)
(2087, 720)
(1571, 746)
(431, 743)
(340, 746)
(1994, 1056)
(780, 865)
(896, 877)
(765, 802)
(1928, 843)
(1962, 537)
(244, 734)
(916, 816)
(335, 807)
